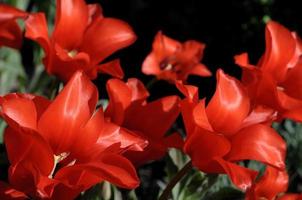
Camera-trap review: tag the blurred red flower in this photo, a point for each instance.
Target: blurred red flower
(58, 149)
(10, 32)
(272, 184)
(128, 107)
(229, 130)
(81, 39)
(171, 60)
(275, 80)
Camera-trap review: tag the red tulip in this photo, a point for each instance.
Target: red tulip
(82, 38)
(171, 60)
(10, 32)
(272, 184)
(129, 109)
(229, 130)
(275, 79)
(58, 149)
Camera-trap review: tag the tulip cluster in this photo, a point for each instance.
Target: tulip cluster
(58, 147)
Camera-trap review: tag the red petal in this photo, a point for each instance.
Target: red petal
(293, 81)
(240, 176)
(10, 13)
(190, 91)
(110, 167)
(95, 11)
(200, 70)
(70, 110)
(139, 92)
(174, 140)
(205, 141)
(28, 147)
(200, 116)
(113, 134)
(263, 143)
(89, 133)
(243, 61)
(106, 36)
(156, 149)
(119, 99)
(272, 183)
(260, 114)
(19, 111)
(162, 112)
(30, 157)
(229, 106)
(112, 68)
(10, 34)
(193, 50)
(71, 22)
(291, 107)
(188, 105)
(280, 48)
(164, 45)
(151, 65)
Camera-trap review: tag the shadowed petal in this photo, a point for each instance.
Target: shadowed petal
(110, 167)
(162, 112)
(8, 193)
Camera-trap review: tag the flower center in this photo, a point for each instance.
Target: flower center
(72, 53)
(167, 64)
(280, 88)
(58, 159)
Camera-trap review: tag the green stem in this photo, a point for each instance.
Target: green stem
(167, 191)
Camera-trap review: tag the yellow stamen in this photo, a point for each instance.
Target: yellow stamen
(72, 53)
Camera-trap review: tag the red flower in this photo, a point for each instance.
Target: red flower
(82, 38)
(58, 149)
(229, 130)
(10, 32)
(129, 109)
(278, 74)
(170, 60)
(272, 184)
